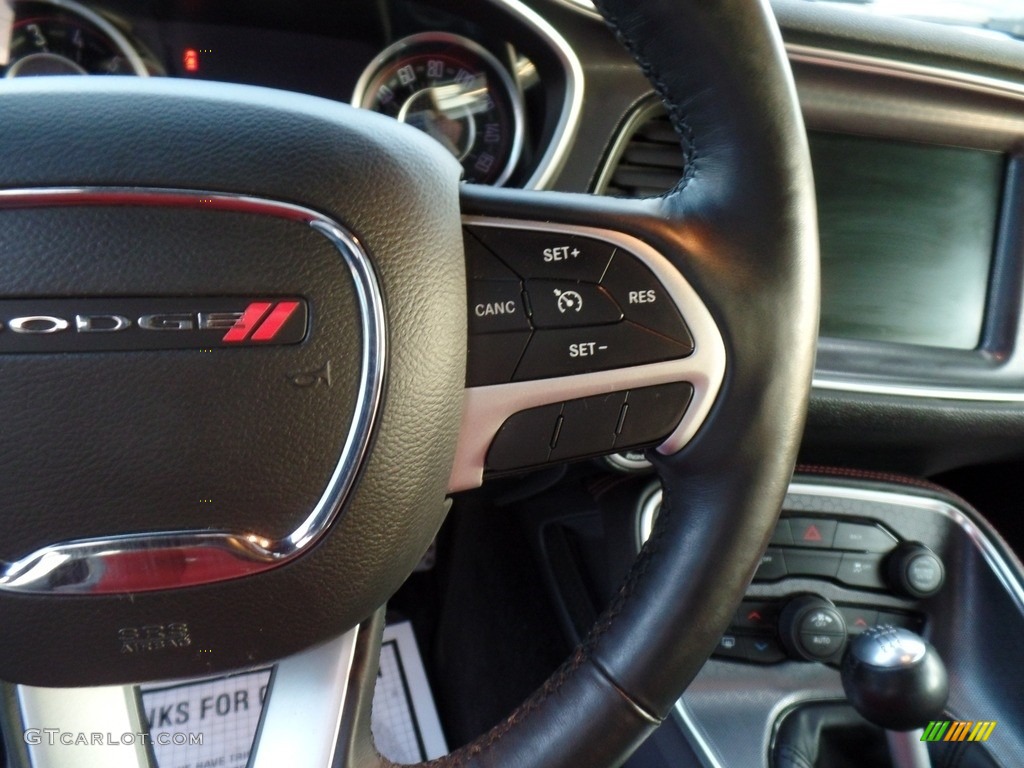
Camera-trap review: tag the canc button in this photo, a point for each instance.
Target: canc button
(496, 305)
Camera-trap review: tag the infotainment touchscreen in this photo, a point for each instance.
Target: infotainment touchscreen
(908, 234)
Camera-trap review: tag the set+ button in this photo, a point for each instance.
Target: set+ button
(548, 255)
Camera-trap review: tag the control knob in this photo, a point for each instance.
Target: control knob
(813, 629)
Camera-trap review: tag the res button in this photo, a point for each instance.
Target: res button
(643, 298)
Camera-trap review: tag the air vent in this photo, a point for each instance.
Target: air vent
(648, 160)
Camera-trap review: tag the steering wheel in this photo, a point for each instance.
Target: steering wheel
(233, 378)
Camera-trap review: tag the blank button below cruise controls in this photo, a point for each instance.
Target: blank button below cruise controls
(551, 255)
(569, 351)
(493, 357)
(524, 439)
(588, 426)
(564, 304)
(652, 413)
(643, 298)
(481, 264)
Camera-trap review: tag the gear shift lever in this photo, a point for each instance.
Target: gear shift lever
(895, 679)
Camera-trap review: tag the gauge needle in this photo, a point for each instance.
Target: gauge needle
(6, 31)
(468, 98)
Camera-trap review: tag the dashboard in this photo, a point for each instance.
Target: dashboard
(921, 312)
(916, 137)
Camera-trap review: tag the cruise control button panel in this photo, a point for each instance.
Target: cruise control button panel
(588, 306)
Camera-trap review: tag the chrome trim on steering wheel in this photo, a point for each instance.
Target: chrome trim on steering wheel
(557, 150)
(170, 559)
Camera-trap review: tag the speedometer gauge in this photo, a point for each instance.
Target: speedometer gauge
(455, 91)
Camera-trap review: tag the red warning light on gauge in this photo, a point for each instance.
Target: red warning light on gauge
(191, 60)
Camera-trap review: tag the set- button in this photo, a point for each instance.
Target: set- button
(568, 351)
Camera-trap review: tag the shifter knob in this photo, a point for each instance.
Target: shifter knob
(894, 678)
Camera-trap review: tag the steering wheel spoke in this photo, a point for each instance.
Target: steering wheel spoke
(583, 339)
(315, 693)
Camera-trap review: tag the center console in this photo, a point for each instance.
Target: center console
(852, 550)
(850, 553)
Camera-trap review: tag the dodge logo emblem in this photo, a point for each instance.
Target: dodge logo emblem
(84, 325)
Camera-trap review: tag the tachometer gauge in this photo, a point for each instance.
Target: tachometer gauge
(455, 91)
(61, 37)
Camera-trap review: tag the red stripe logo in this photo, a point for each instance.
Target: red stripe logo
(261, 321)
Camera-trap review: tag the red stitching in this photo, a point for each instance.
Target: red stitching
(886, 477)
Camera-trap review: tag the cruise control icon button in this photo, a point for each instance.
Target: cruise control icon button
(564, 304)
(568, 351)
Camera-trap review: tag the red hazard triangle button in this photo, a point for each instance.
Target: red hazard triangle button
(813, 532)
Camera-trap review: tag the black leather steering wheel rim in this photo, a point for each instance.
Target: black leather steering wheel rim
(741, 226)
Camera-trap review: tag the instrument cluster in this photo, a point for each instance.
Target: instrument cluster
(467, 92)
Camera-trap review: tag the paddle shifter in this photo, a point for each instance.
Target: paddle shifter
(895, 679)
